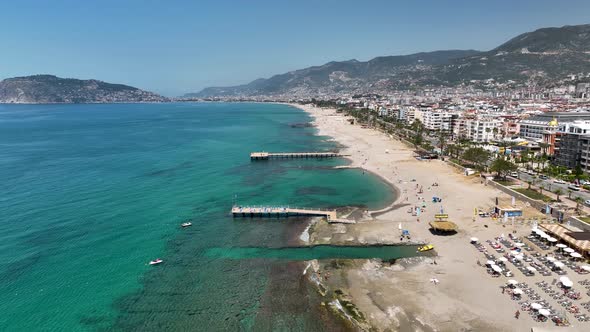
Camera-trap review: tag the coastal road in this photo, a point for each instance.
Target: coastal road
(552, 186)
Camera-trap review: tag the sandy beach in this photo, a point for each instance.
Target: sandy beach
(401, 297)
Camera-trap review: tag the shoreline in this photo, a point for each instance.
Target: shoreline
(401, 296)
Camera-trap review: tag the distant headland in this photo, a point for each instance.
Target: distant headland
(50, 89)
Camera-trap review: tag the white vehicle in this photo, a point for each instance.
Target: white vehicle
(587, 202)
(559, 181)
(514, 174)
(573, 187)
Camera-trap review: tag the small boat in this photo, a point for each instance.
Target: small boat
(426, 247)
(156, 261)
(186, 224)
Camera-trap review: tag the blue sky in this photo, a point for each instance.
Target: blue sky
(173, 47)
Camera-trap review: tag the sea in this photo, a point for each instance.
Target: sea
(91, 193)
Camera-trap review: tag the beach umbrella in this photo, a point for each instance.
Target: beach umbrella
(400, 226)
(496, 268)
(517, 291)
(532, 269)
(551, 258)
(490, 262)
(503, 259)
(544, 312)
(585, 267)
(552, 239)
(536, 306)
(567, 284)
(512, 282)
(514, 252)
(474, 239)
(518, 244)
(561, 245)
(519, 257)
(570, 250)
(558, 265)
(575, 255)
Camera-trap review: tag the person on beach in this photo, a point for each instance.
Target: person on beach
(517, 314)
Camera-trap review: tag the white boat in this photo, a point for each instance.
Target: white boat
(186, 224)
(156, 261)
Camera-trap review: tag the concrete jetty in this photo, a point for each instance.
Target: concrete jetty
(279, 211)
(290, 155)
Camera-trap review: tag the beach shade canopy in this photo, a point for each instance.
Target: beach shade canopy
(568, 250)
(474, 239)
(558, 265)
(551, 258)
(561, 245)
(503, 259)
(575, 255)
(496, 268)
(544, 312)
(536, 306)
(585, 267)
(517, 291)
(552, 239)
(519, 257)
(532, 269)
(512, 282)
(443, 226)
(490, 262)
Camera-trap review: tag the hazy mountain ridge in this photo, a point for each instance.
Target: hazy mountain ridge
(38, 89)
(543, 54)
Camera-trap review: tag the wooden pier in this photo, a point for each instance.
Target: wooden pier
(290, 155)
(267, 211)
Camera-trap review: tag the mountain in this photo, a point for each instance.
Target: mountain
(543, 55)
(39, 89)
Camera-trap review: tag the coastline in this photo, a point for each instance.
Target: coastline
(400, 296)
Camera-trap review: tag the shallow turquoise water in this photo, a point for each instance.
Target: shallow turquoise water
(91, 193)
(314, 252)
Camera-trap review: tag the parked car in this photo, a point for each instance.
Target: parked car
(514, 174)
(587, 202)
(559, 181)
(544, 177)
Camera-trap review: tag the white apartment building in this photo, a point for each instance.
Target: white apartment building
(477, 130)
(437, 120)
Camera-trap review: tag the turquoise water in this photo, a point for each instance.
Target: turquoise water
(314, 252)
(91, 193)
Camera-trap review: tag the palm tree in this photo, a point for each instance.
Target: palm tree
(578, 203)
(442, 140)
(558, 192)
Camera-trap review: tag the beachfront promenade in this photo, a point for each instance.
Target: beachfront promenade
(280, 211)
(287, 155)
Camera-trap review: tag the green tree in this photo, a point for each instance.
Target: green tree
(477, 157)
(578, 201)
(503, 167)
(558, 192)
(578, 172)
(442, 140)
